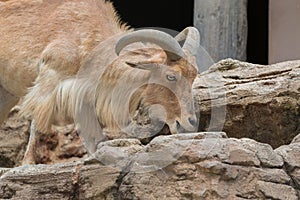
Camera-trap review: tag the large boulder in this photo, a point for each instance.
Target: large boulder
(184, 166)
(261, 102)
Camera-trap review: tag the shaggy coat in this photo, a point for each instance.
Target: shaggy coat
(61, 57)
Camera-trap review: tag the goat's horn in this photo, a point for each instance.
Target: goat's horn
(162, 39)
(192, 40)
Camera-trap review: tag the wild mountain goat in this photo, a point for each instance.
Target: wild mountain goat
(73, 60)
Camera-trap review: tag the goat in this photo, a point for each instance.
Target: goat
(74, 61)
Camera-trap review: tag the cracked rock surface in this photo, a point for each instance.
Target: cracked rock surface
(261, 102)
(185, 166)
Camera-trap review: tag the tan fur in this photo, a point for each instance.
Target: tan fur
(65, 31)
(28, 26)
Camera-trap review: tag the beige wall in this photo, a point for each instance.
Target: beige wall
(284, 30)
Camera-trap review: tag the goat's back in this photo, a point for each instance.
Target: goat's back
(28, 26)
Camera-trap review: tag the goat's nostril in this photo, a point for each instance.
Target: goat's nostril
(192, 121)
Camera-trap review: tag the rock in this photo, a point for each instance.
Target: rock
(183, 166)
(118, 153)
(291, 156)
(34, 182)
(14, 135)
(296, 139)
(60, 145)
(276, 191)
(97, 182)
(264, 152)
(3, 170)
(239, 156)
(60, 181)
(295, 174)
(207, 168)
(251, 101)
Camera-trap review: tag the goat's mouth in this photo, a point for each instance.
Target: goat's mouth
(180, 126)
(161, 127)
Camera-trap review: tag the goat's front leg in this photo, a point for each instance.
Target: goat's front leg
(29, 156)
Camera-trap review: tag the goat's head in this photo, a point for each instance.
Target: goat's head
(171, 71)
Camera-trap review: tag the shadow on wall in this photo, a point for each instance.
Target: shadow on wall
(175, 14)
(258, 25)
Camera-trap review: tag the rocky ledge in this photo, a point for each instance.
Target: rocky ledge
(261, 102)
(184, 166)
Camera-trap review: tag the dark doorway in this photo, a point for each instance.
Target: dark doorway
(175, 14)
(258, 34)
(178, 14)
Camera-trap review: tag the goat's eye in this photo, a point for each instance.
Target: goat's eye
(171, 78)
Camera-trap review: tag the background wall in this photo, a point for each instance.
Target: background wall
(284, 35)
(283, 43)
(223, 27)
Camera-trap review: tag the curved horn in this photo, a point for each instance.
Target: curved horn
(162, 39)
(192, 40)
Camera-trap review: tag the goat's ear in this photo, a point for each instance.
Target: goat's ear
(144, 66)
